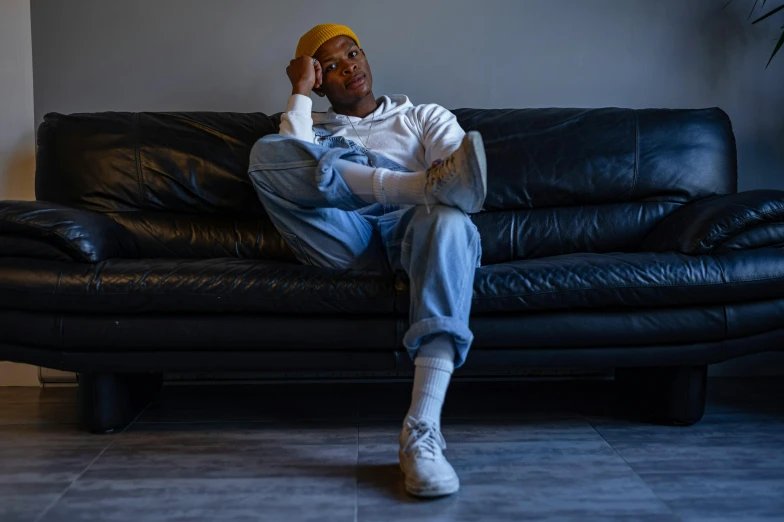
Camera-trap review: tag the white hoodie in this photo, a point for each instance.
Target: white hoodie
(412, 136)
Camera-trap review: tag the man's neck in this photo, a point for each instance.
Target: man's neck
(360, 109)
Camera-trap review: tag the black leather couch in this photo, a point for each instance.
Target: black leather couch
(611, 238)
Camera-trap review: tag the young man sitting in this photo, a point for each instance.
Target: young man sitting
(382, 184)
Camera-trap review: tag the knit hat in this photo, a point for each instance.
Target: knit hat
(313, 39)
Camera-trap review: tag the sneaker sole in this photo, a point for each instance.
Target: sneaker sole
(479, 161)
(437, 490)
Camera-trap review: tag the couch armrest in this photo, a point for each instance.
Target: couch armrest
(53, 231)
(703, 226)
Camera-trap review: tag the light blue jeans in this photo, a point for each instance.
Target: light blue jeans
(326, 225)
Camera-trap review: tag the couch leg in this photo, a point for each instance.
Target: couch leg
(110, 401)
(669, 395)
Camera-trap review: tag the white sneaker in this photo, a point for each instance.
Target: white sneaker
(461, 179)
(427, 472)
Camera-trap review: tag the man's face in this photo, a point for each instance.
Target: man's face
(346, 76)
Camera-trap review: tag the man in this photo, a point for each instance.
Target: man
(363, 186)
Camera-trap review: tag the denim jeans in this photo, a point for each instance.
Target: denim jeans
(326, 225)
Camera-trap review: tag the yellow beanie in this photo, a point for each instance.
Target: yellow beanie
(313, 39)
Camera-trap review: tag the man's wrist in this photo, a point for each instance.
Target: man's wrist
(304, 91)
(299, 103)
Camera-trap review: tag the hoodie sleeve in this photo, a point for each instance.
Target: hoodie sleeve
(441, 133)
(297, 121)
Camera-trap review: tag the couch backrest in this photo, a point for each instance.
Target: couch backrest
(594, 180)
(560, 180)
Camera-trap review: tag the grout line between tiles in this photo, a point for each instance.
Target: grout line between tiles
(635, 473)
(55, 501)
(114, 439)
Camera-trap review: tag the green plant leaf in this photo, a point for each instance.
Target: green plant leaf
(753, 7)
(778, 46)
(770, 13)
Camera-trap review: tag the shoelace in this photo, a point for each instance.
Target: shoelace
(435, 174)
(425, 439)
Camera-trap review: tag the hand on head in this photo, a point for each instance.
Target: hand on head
(305, 75)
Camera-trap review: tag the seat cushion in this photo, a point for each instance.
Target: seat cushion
(640, 279)
(229, 285)
(224, 285)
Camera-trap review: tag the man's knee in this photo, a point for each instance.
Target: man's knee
(445, 218)
(445, 225)
(275, 158)
(271, 148)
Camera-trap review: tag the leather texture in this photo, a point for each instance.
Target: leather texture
(612, 232)
(226, 285)
(633, 280)
(220, 285)
(596, 327)
(82, 235)
(203, 236)
(705, 225)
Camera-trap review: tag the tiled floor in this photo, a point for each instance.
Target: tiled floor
(545, 451)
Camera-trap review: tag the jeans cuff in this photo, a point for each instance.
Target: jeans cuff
(331, 184)
(437, 325)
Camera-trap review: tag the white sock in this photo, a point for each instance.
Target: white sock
(359, 179)
(380, 185)
(434, 365)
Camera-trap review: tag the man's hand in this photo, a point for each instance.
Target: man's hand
(305, 75)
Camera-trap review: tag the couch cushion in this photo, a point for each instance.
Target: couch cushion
(225, 285)
(639, 279)
(561, 157)
(166, 234)
(510, 235)
(190, 162)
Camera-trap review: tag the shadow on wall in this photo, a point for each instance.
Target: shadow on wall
(727, 47)
(18, 172)
(723, 34)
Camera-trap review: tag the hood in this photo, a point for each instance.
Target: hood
(388, 106)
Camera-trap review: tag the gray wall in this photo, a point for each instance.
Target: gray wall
(231, 55)
(17, 142)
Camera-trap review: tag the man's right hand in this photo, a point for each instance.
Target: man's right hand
(304, 74)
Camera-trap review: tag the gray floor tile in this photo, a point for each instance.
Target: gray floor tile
(487, 461)
(235, 435)
(208, 500)
(522, 429)
(38, 413)
(730, 495)
(750, 427)
(39, 464)
(219, 462)
(514, 481)
(37, 394)
(25, 502)
(734, 453)
(290, 452)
